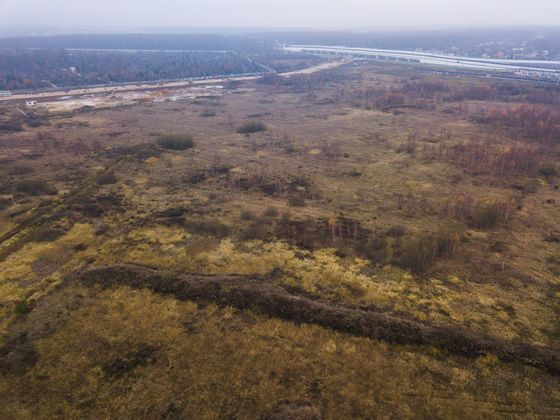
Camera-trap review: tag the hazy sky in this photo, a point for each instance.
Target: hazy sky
(280, 13)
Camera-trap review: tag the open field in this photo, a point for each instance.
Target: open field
(349, 241)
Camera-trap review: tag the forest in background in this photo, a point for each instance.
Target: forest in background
(36, 69)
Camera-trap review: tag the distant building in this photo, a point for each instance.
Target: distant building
(5, 93)
(30, 104)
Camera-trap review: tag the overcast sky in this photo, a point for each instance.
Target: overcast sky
(281, 13)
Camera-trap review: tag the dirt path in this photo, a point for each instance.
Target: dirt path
(44, 214)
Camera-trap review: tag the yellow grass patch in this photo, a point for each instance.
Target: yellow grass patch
(151, 160)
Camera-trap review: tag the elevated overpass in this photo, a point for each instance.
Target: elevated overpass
(537, 68)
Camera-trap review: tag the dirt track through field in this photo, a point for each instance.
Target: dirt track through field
(42, 215)
(263, 296)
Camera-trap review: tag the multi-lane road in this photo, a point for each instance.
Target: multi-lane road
(537, 69)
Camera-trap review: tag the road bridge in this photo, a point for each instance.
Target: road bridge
(534, 68)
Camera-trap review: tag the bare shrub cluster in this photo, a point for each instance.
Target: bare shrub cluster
(480, 214)
(484, 157)
(535, 123)
(420, 253)
(250, 127)
(176, 141)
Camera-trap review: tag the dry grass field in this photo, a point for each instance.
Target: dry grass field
(380, 199)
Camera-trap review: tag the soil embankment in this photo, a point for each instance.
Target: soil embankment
(262, 296)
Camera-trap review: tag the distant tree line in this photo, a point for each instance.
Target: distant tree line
(33, 69)
(137, 42)
(535, 123)
(416, 92)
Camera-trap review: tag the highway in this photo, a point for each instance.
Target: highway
(535, 68)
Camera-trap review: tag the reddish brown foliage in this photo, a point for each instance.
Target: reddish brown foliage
(477, 156)
(536, 123)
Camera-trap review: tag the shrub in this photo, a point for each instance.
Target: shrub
(11, 126)
(536, 123)
(548, 169)
(257, 230)
(289, 148)
(20, 170)
(22, 308)
(375, 249)
(553, 237)
(419, 254)
(497, 246)
(247, 215)
(409, 147)
(48, 234)
(268, 188)
(271, 212)
(98, 205)
(396, 231)
(391, 100)
(251, 127)
(207, 113)
(106, 178)
(5, 203)
(37, 122)
(33, 187)
(553, 262)
(80, 247)
(176, 141)
(446, 241)
(532, 186)
(486, 217)
(296, 201)
(209, 227)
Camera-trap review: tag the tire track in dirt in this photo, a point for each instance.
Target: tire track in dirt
(44, 214)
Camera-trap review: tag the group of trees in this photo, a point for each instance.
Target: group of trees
(300, 83)
(425, 93)
(550, 96)
(273, 184)
(484, 157)
(334, 232)
(425, 88)
(536, 123)
(160, 42)
(441, 91)
(421, 252)
(480, 214)
(417, 253)
(33, 69)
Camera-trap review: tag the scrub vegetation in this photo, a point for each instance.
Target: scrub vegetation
(364, 240)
